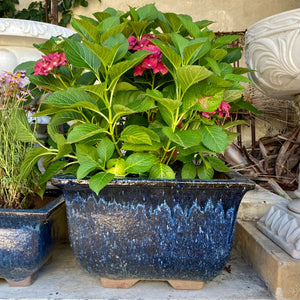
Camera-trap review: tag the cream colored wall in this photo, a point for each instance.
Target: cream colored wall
(229, 15)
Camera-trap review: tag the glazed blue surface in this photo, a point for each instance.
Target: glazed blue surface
(161, 230)
(25, 240)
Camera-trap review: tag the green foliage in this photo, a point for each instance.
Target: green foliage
(17, 138)
(163, 119)
(36, 10)
(7, 8)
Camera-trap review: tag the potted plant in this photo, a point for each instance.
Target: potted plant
(25, 227)
(139, 103)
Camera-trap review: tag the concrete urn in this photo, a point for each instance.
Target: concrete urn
(272, 48)
(18, 36)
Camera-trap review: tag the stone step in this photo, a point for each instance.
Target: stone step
(63, 278)
(278, 269)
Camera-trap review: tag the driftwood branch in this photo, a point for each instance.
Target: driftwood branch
(274, 163)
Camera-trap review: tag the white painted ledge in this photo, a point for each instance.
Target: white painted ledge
(257, 202)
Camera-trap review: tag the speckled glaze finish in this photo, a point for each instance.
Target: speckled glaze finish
(153, 229)
(26, 239)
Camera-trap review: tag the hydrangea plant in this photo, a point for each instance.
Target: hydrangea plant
(141, 93)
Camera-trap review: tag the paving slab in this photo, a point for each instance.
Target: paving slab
(63, 278)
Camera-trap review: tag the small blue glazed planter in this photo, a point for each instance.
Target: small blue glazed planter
(153, 229)
(26, 241)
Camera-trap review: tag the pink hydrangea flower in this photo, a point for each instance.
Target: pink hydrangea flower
(160, 67)
(132, 41)
(48, 63)
(152, 61)
(222, 110)
(138, 70)
(144, 43)
(208, 114)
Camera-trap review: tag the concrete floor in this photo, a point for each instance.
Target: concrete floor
(63, 278)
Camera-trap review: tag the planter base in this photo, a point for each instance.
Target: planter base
(186, 285)
(26, 281)
(128, 283)
(21, 283)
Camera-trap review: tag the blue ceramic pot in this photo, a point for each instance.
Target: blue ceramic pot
(26, 240)
(153, 229)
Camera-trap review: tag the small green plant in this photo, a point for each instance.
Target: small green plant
(14, 191)
(36, 10)
(144, 93)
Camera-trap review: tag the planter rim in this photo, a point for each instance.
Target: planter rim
(33, 28)
(273, 23)
(43, 212)
(233, 179)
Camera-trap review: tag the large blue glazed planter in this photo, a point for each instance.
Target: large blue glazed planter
(26, 240)
(173, 230)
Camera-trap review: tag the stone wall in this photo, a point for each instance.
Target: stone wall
(229, 15)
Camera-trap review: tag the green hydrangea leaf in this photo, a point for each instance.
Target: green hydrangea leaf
(117, 167)
(161, 171)
(205, 172)
(225, 39)
(86, 153)
(186, 138)
(81, 56)
(188, 171)
(135, 134)
(105, 149)
(99, 181)
(69, 97)
(141, 147)
(48, 82)
(189, 75)
(214, 138)
(84, 131)
(85, 168)
(140, 162)
(86, 29)
(217, 164)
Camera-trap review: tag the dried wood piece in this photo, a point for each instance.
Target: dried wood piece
(254, 162)
(289, 149)
(234, 156)
(276, 187)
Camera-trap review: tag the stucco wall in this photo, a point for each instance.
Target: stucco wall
(229, 15)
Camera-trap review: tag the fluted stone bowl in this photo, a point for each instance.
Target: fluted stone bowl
(272, 48)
